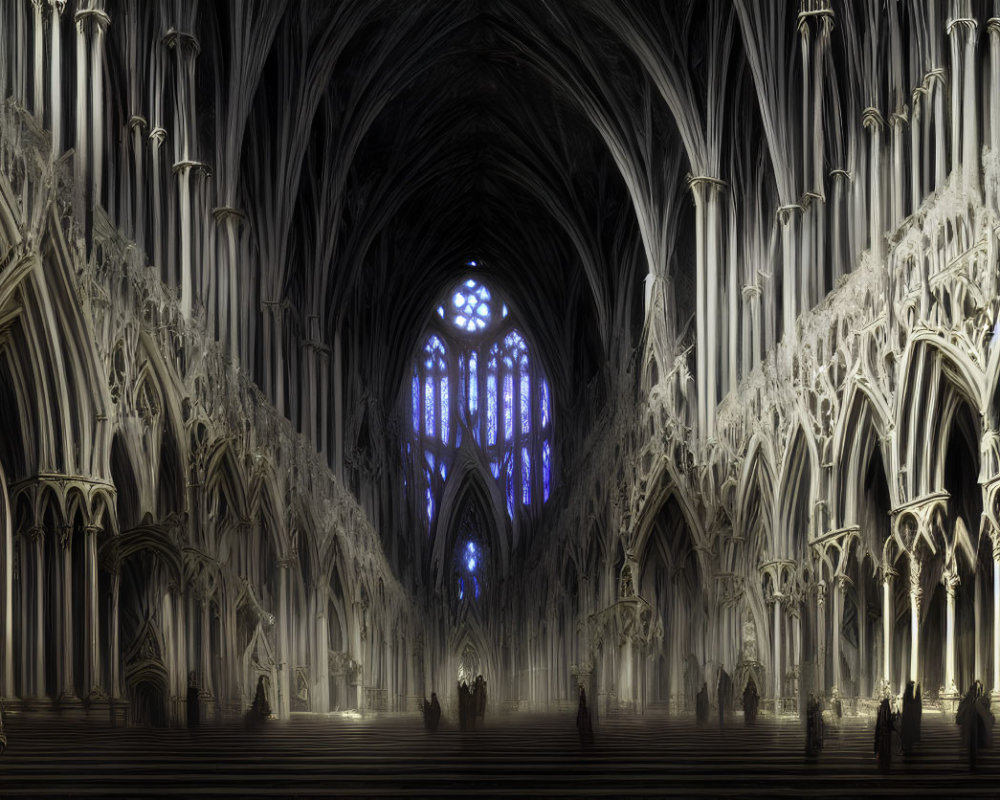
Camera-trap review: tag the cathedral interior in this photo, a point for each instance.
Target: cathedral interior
(358, 348)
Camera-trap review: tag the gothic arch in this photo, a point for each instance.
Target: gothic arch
(863, 426)
(468, 483)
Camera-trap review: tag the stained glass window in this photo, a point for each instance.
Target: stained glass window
(546, 468)
(491, 408)
(416, 403)
(508, 406)
(473, 354)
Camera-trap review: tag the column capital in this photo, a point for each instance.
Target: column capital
(96, 15)
(951, 582)
(993, 26)
(58, 6)
(36, 533)
(65, 535)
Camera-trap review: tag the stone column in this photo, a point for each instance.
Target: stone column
(951, 581)
(284, 660)
(888, 573)
(996, 613)
(39, 71)
(67, 694)
(55, 77)
(116, 689)
(6, 533)
(874, 122)
(92, 619)
(837, 624)
(777, 652)
(38, 672)
(821, 635)
(101, 22)
(915, 595)
(321, 654)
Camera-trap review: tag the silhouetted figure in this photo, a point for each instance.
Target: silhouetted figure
(836, 706)
(478, 700)
(193, 702)
(884, 727)
(583, 722)
(464, 705)
(3, 729)
(814, 727)
(751, 700)
(909, 722)
(725, 696)
(701, 705)
(261, 708)
(432, 713)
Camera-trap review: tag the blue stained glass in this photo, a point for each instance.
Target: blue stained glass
(458, 299)
(525, 406)
(444, 410)
(443, 469)
(470, 556)
(545, 403)
(441, 311)
(461, 588)
(475, 583)
(510, 488)
(525, 476)
(429, 406)
(508, 406)
(416, 403)
(430, 504)
(546, 469)
(473, 384)
(504, 311)
(430, 461)
(495, 469)
(491, 408)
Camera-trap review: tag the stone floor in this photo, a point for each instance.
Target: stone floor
(516, 755)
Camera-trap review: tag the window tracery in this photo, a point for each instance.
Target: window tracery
(475, 376)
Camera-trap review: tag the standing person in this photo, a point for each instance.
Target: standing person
(883, 734)
(701, 705)
(814, 728)
(909, 723)
(751, 699)
(193, 701)
(583, 724)
(725, 696)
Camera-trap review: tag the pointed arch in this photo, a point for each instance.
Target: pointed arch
(863, 426)
(797, 495)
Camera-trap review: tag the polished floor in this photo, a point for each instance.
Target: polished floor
(513, 756)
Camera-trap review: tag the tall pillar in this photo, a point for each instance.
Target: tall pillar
(821, 635)
(207, 683)
(874, 122)
(951, 581)
(915, 595)
(91, 611)
(101, 21)
(837, 591)
(996, 613)
(284, 659)
(67, 694)
(888, 573)
(39, 71)
(6, 535)
(116, 691)
(777, 652)
(55, 77)
(38, 668)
